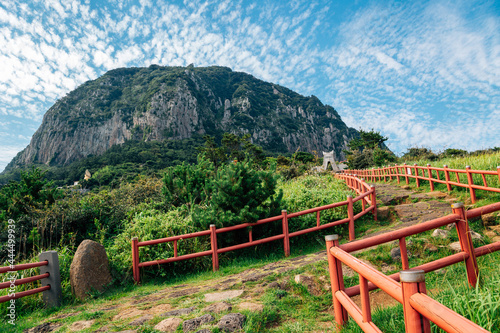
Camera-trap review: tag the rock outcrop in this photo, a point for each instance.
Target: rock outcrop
(174, 103)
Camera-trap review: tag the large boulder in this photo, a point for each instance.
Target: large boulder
(89, 270)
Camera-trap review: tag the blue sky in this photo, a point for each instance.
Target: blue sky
(423, 73)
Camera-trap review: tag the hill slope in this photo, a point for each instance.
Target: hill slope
(174, 103)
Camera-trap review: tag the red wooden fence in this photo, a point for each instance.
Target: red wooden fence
(417, 306)
(49, 277)
(445, 175)
(9, 284)
(366, 194)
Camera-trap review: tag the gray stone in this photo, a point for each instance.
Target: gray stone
(455, 246)
(488, 219)
(229, 294)
(168, 325)
(231, 322)
(53, 296)
(383, 212)
(90, 269)
(440, 233)
(204, 331)
(396, 253)
(475, 235)
(178, 312)
(140, 321)
(43, 328)
(193, 324)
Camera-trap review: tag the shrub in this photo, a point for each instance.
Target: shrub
(153, 224)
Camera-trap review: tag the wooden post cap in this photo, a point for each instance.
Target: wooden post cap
(457, 205)
(412, 276)
(330, 238)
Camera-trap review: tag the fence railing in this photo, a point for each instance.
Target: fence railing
(445, 175)
(417, 306)
(366, 194)
(49, 277)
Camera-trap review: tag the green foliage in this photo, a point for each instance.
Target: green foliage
(20, 197)
(368, 150)
(154, 224)
(239, 194)
(367, 140)
(188, 184)
(233, 147)
(312, 191)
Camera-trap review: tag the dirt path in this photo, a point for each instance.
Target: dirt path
(242, 292)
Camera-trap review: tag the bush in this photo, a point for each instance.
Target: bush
(153, 224)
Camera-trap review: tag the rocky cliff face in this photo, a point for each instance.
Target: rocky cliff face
(170, 103)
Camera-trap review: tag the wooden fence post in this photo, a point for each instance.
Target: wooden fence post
(470, 181)
(464, 236)
(374, 203)
(417, 174)
(135, 260)
(350, 214)
(429, 173)
(362, 189)
(397, 172)
(406, 173)
(412, 282)
(213, 243)
(336, 279)
(447, 177)
(286, 239)
(498, 171)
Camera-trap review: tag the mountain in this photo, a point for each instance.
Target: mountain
(175, 103)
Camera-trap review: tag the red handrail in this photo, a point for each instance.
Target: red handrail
(413, 172)
(366, 194)
(17, 282)
(418, 307)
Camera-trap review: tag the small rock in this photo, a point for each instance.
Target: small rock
(215, 297)
(168, 325)
(430, 247)
(218, 307)
(440, 233)
(140, 321)
(383, 212)
(488, 219)
(204, 331)
(250, 306)
(43, 328)
(451, 226)
(475, 235)
(126, 331)
(307, 281)
(192, 324)
(178, 312)
(441, 271)
(396, 253)
(437, 194)
(81, 325)
(273, 285)
(455, 246)
(231, 322)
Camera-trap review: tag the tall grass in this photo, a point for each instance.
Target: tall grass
(477, 162)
